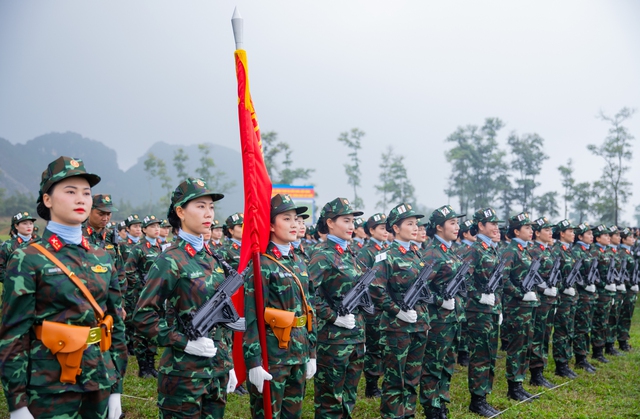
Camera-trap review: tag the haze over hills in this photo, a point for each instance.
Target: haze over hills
(21, 166)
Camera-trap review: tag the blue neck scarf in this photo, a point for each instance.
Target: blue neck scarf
(443, 241)
(520, 241)
(197, 242)
(544, 244)
(358, 240)
(406, 245)
(24, 238)
(296, 244)
(72, 235)
(467, 242)
(487, 240)
(624, 246)
(133, 239)
(341, 242)
(283, 248)
(378, 242)
(587, 246)
(601, 246)
(238, 242)
(152, 241)
(162, 239)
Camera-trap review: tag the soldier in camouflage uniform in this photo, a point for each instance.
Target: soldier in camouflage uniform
(587, 297)
(542, 314)
(631, 295)
(359, 236)
(619, 296)
(405, 330)
(194, 376)
(444, 315)
(216, 235)
(231, 251)
(467, 236)
(518, 305)
(606, 292)
(165, 229)
(333, 270)
(133, 227)
(38, 291)
(375, 228)
(287, 289)
(22, 222)
(300, 248)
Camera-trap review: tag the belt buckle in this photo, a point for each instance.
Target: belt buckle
(301, 321)
(95, 335)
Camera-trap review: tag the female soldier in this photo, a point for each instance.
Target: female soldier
(333, 271)
(630, 297)
(133, 228)
(518, 305)
(231, 252)
(586, 297)
(606, 292)
(299, 248)
(43, 307)
(618, 298)
(439, 357)
(467, 236)
(288, 309)
(216, 235)
(141, 257)
(194, 375)
(404, 329)
(22, 224)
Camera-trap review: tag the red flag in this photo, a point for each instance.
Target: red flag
(257, 207)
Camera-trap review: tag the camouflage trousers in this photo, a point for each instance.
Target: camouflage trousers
(437, 366)
(483, 350)
(374, 348)
(542, 325)
(614, 316)
(463, 337)
(69, 405)
(130, 302)
(287, 392)
(336, 381)
(585, 308)
(518, 333)
(194, 398)
(600, 323)
(626, 314)
(563, 328)
(403, 356)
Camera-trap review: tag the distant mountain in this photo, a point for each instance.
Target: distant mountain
(21, 166)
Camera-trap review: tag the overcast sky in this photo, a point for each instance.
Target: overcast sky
(130, 73)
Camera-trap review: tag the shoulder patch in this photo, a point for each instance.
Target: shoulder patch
(190, 250)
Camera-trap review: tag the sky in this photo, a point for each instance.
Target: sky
(407, 73)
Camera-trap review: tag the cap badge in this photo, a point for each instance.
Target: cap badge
(74, 163)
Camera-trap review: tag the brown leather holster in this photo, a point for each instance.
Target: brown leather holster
(281, 322)
(106, 325)
(67, 343)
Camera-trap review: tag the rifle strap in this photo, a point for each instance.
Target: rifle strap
(306, 307)
(78, 283)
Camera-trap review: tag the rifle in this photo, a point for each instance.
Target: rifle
(554, 275)
(531, 279)
(635, 277)
(454, 285)
(574, 275)
(594, 275)
(623, 275)
(359, 296)
(496, 276)
(419, 290)
(612, 273)
(218, 309)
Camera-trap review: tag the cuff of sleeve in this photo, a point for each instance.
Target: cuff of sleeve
(439, 301)
(253, 362)
(332, 317)
(16, 401)
(117, 387)
(394, 310)
(182, 343)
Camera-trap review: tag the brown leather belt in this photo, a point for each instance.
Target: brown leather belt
(95, 334)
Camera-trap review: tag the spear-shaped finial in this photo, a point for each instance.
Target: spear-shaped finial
(236, 23)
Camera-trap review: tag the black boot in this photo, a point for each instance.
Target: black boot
(151, 367)
(143, 369)
(444, 412)
(624, 345)
(130, 349)
(432, 412)
(609, 349)
(480, 406)
(463, 358)
(371, 390)
(537, 379)
(516, 392)
(581, 362)
(241, 391)
(598, 356)
(563, 370)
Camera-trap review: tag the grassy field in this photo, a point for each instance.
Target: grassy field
(613, 392)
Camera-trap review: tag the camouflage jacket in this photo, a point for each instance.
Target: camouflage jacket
(302, 252)
(182, 280)
(367, 255)
(6, 249)
(484, 259)
(582, 252)
(604, 259)
(231, 253)
(631, 263)
(544, 253)
(518, 260)
(445, 266)
(141, 257)
(333, 272)
(104, 240)
(463, 250)
(125, 247)
(37, 290)
(396, 274)
(564, 251)
(280, 291)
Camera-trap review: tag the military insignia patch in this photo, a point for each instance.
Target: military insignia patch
(99, 269)
(74, 163)
(200, 183)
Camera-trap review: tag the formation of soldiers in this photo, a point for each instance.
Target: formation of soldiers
(398, 298)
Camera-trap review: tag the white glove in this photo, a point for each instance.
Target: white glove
(530, 296)
(543, 285)
(610, 287)
(590, 288)
(409, 316)
(488, 299)
(257, 377)
(569, 291)
(348, 321)
(22, 413)
(311, 368)
(233, 381)
(500, 319)
(115, 407)
(634, 288)
(551, 292)
(202, 346)
(449, 304)
(621, 288)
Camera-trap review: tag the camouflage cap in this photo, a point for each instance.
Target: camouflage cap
(467, 225)
(216, 224)
(376, 219)
(486, 215)
(625, 232)
(338, 207)
(132, 219)
(103, 202)
(20, 217)
(442, 214)
(563, 225)
(600, 229)
(582, 228)
(311, 230)
(150, 219)
(400, 212)
(165, 223)
(540, 223)
(358, 222)
(236, 219)
(36, 228)
(62, 168)
(191, 189)
(614, 230)
(122, 225)
(282, 202)
(520, 220)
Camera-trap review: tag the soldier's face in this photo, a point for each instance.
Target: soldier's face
(490, 229)
(604, 239)
(236, 232)
(164, 231)
(70, 201)
(216, 233)
(360, 233)
(341, 227)
(25, 228)
(99, 219)
(468, 236)
(152, 231)
(284, 229)
(206, 235)
(197, 216)
(379, 233)
(449, 230)
(567, 236)
(302, 229)
(629, 241)
(587, 237)
(407, 230)
(135, 230)
(422, 234)
(615, 239)
(122, 233)
(524, 233)
(544, 235)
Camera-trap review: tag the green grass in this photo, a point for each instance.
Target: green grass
(613, 392)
